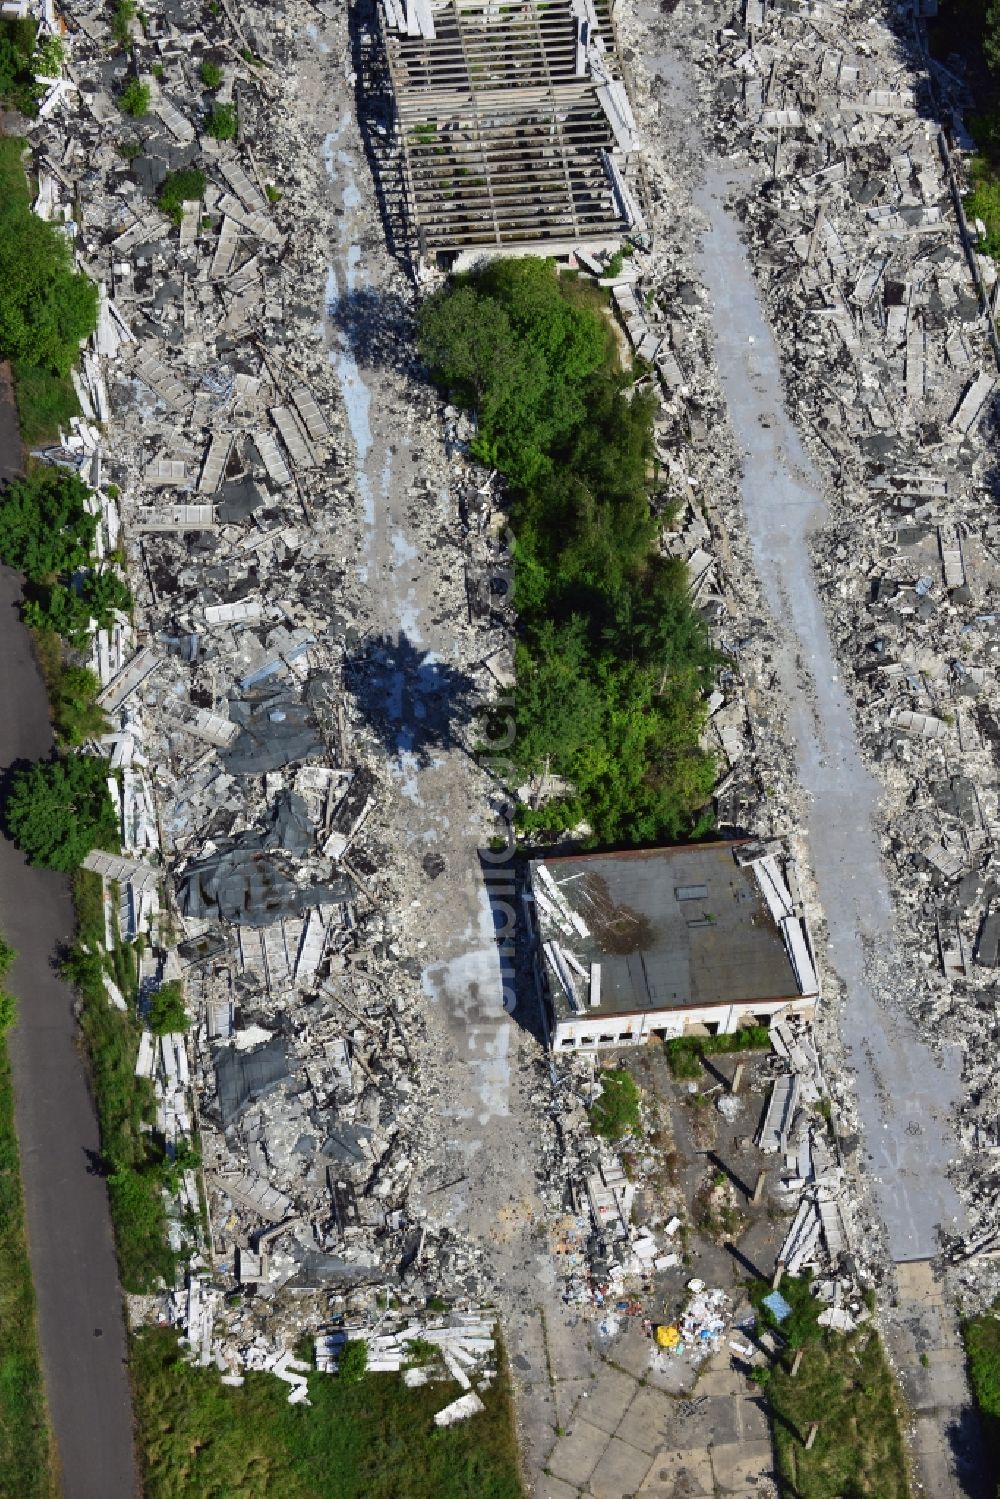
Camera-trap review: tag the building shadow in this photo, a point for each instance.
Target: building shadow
(376, 114)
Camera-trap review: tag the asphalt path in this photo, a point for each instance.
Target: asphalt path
(80, 1318)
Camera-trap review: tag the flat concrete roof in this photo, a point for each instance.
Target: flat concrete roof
(671, 928)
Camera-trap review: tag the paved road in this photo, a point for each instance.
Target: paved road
(80, 1319)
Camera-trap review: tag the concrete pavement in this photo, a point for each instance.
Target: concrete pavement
(80, 1320)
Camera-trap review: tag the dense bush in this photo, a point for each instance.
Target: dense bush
(58, 810)
(46, 307)
(45, 526)
(982, 1347)
(167, 1012)
(69, 610)
(211, 74)
(612, 662)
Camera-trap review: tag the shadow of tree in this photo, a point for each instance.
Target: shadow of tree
(378, 328)
(414, 702)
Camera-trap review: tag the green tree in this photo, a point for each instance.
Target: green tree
(134, 99)
(167, 1011)
(45, 527)
(211, 74)
(558, 708)
(58, 810)
(46, 307)
(613, 662)
(991, 35)
(222, 123)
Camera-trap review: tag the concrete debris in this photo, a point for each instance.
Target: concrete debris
(252, 779)
(882, 306)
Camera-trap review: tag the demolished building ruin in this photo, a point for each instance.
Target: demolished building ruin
(513, 126)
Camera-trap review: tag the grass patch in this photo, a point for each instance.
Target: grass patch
(845, 1384)
(371, 1439)
(616, 1113)
(26, 1467)
(684, 1052)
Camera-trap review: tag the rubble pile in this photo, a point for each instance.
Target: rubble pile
(252, 783)
(876, 294)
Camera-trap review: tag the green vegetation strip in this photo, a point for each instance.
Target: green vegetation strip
(126, 1105)
(684, 1052)
(981, 1336)
(369, 1438)
(46, 307)
(845, 1385)
(612, 661)
(26, 1467)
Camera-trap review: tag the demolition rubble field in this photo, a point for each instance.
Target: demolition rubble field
(864, 265)
(316, 563)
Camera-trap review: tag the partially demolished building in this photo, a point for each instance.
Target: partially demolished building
(662, 942)
(514, 126)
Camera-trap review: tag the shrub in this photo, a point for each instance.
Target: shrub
(58, 810)
(184, 186)
(211, 74)
(18, 64)
(167, 1013)
(45, 527)
(222, 122)
(7, 956)
(76, 716)
(683, 1051)
(69, 611)
(134, 99)
(616, 1113)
